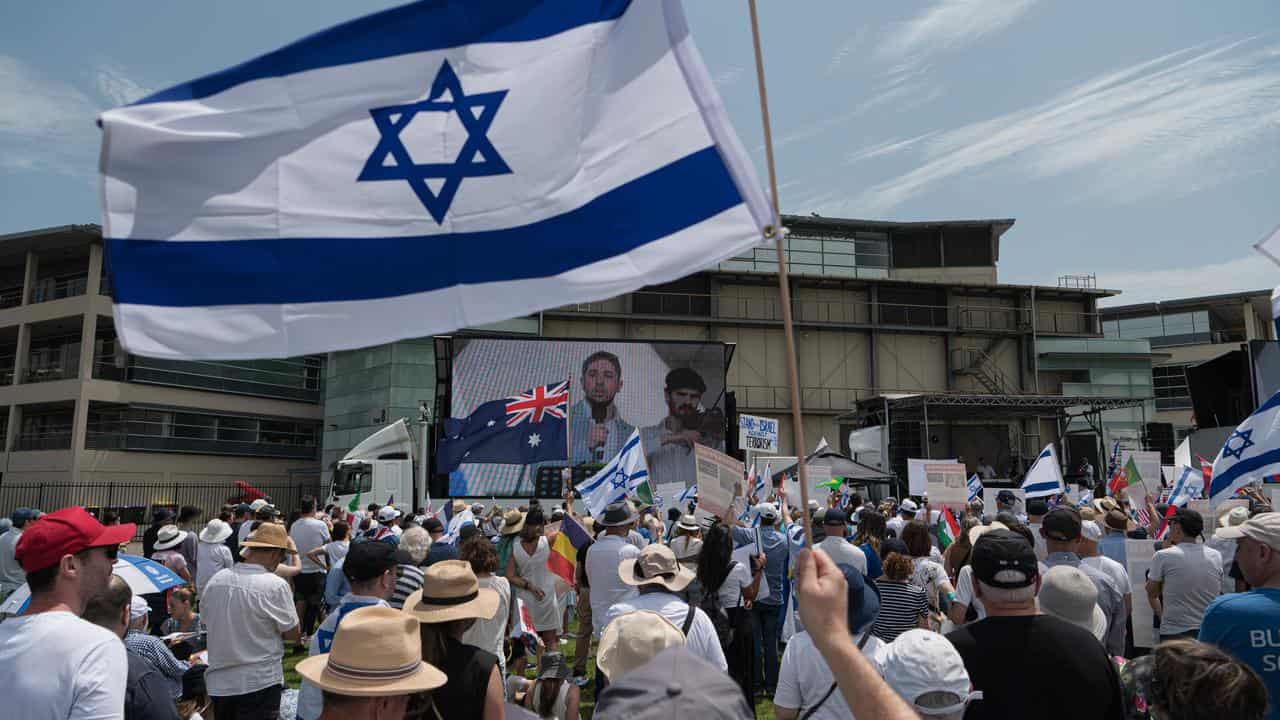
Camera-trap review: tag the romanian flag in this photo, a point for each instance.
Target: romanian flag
(948, 528)
(564, 549)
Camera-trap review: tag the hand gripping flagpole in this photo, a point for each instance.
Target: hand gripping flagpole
(784, 288)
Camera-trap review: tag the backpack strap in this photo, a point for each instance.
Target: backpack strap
(809, 713)
(688, 620)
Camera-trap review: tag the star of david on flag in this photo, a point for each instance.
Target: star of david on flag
(1250, 454)
(439, 165)
(626, 472)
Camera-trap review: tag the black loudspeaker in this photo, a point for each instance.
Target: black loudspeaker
(1160, 437)
(731, 426)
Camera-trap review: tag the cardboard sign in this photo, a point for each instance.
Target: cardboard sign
(946, 484)
(757, 434)
(916, 481)
(1211, 515)
(669, 497)
(1138, 555)
(720, 480)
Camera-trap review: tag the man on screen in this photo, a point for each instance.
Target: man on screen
(597, 429)
(668, 446)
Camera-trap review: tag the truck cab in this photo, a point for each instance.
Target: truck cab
(380, 469)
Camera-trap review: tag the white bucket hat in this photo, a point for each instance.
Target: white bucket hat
(1068, 594)
(920, 662)
(215, 532)
(169, 537)
(633, 639)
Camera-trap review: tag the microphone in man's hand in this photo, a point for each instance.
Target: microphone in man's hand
(599, 414)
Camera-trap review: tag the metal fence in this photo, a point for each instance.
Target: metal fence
(134, 502)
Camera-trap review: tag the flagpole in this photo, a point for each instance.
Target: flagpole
(784, 287)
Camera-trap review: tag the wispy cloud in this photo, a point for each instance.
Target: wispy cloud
(728, 76)
(49, 125)
(947, 24)
(846, 49)
(1250, 272)
(1165, 125)
(888, 147)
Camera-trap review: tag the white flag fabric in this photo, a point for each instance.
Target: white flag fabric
(624, 473)
(440, 165)
(1187, 487)
(1250, 454)
(1270, 245)
(975, 487)
(1045, 476)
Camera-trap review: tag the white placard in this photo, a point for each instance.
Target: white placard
(1148, 463)
(757, 434)
(1137, 555)
(916, 483)
(1211, 515)
(947, 485)
(1274, 491)
(719, 480)
(667, 497)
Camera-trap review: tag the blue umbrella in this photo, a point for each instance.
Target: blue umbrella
(143, 576)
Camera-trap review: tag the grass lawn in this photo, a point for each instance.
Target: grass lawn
(764, 708)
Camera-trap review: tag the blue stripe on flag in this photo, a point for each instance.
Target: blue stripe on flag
(298, 270)
(1223, 481)
(417, 27)
(613, 466)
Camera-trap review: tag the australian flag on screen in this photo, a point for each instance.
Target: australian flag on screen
(519, 430)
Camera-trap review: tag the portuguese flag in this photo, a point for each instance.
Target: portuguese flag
(948, 528)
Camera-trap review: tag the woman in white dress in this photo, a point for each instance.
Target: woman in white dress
(534, 583)
(488, 634)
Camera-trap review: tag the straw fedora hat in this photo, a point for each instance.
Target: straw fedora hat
(977, 531)
(655, 565)
(512, 522)
(450, 591)
(459, 506)
(169, 536)
(215, 532)
(633, 639)
(1231, 518)
(269, 535)
(376, 652)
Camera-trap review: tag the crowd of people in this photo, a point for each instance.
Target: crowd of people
(1028, 611)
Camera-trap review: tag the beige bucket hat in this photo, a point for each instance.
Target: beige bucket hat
(376, 652)
(655, 565)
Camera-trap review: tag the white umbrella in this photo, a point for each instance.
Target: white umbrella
(144, 577)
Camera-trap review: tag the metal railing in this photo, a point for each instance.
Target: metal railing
(1068, 323)
(49, 373)
(1078, 282)
(121, 439)
(134, 502)
(303, 385)
(55, 437)
(10, 297)
(63, 287)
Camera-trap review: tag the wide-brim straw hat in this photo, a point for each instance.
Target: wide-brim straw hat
(215, 532)
(633, 639)
(688, 522)
(977, 531)
(376, 652)
(269, 535)
(512, 522)
(655, 565)
(169, 537)
(450, 591)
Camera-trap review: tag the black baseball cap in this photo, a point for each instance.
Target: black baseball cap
(366, 561)
(1000, 551)
(1061, 524)
(685, 379)
(1189, 520)
(1037, 507)
(834, 517)
(432, 525)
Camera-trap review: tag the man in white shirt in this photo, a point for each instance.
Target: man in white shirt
(906, 513)
(1090, 535)
(603, 558)
(1184, 577)
(836, 544)
(11, 574)
(1036, 510)
(249, 612)
(659, 577)
(308, 533)
(984, 469)
(56, 665)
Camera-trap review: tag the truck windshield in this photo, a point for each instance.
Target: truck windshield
(352, 479)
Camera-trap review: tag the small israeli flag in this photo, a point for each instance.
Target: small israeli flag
(444, 164)
(624, 473)
(975, 487)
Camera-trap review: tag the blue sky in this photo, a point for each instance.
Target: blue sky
(1138, 140)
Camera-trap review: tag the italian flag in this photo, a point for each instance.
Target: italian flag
(948, 528)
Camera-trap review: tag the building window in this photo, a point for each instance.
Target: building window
(1171, 389)
(140, 429)
(966, 247)
(913, 306)
(686, 296)
(1188, 328)
(916, 249)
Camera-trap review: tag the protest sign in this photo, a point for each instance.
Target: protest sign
(1138, 555)
(1211, 515)
(1148, 464)
(946, 484)
(744, 554)
(916, 482)
(989, 500)
(757, 434)
(668, 496)
(719, 480)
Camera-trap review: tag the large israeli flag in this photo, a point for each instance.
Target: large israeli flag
(444, 164)
(613, 482)
(1045, 476)
(1251, 453)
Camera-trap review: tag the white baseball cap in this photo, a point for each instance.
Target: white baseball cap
(258, 504)
(1090, 530)
(908, 506)
(388, 513)
(767, 511)
(920, 662)
(138, 607)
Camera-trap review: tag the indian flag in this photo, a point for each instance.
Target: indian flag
(948, 528)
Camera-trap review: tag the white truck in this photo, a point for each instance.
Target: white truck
(381, 468)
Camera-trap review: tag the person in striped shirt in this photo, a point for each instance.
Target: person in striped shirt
(903, 605)
(414, 545)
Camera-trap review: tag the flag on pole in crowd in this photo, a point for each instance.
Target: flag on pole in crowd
(523, 429)
(1114, 459)
(1250, 454)
(298, 202)
(832, 484)
(1126, 476)
(1142, 516)
(522, 629)
(767, 475)
(1186, 488)
(354, 505)
(948, 528)
(624, 473)
(1045, 476)
(1206, 469)
(687, 495)
(975, 487)
(563, 559)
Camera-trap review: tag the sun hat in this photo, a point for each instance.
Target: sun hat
(1068, 594)
(908, 506)
(376, 652)
(138, 608)
(169, 536)
(65, 532)
(258, 504)
(688, 522)
(1116, 520)
(674, 684)
(978, 531)
(1091, 531)
(920, 662)
(512, 522)
(553, 666)
(1061, 524)
(687, 549)
(1263, 527)
(617, 514)
(1004, 551)
(1104, 505)
(450, 591)
(215, 532)
(388, 513)
(268, 535)
(459, 506)
(633, 639)
(1235, 516)
(655, 565)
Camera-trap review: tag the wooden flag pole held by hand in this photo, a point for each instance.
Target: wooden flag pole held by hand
(784, 289)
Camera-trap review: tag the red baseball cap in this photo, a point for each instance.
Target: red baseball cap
(65, 532)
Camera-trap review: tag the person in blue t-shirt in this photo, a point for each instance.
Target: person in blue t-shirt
(1247, 624)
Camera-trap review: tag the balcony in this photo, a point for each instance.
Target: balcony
(120, 439)
(58, 288)
(47, 374)
(44, 437)
(10, 297)
(122, 427)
